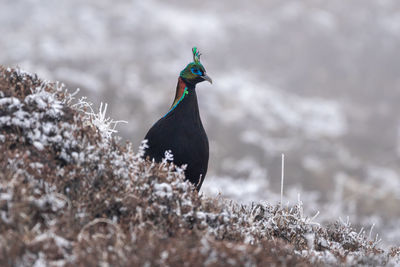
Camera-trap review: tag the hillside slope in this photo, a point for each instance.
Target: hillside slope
(70, 194)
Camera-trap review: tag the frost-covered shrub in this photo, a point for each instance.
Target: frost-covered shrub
(71, 193)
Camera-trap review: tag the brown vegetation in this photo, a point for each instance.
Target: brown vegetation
(71, 196)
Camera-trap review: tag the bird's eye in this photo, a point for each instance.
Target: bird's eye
(196, 71)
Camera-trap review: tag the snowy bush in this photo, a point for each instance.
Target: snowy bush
(72, 194)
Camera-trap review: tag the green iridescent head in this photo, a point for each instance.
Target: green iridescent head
(194, 71)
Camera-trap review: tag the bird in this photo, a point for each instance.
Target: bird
(180, 130)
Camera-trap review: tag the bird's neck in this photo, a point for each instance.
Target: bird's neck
(184, 90)
(181, 91)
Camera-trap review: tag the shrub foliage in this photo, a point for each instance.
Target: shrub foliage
(71, 194)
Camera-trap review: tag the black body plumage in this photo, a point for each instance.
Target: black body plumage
(182, 132)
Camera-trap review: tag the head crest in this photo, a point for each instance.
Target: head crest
(196, 55)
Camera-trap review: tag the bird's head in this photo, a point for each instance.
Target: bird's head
(194, 71)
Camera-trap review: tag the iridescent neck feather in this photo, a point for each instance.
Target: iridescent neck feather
(181, 92)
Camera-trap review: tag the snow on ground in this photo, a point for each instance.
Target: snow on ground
(121, 209)
(316, 81)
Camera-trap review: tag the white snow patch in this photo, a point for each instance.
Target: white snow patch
(163, 190)
(38, 145)
(36, 165)
(40, 262)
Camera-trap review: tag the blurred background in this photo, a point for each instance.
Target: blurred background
(316, 80)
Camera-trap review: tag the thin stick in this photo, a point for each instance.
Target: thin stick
(282, 176)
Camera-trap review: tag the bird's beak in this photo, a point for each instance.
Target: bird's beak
(207, 78)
